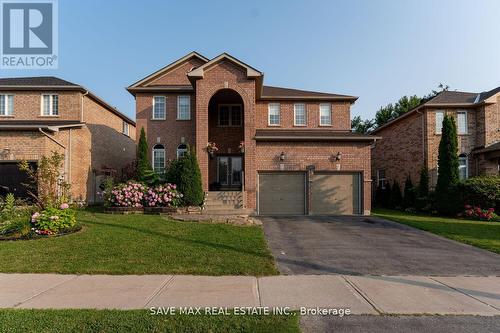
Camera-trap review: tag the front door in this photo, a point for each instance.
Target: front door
(229, 172)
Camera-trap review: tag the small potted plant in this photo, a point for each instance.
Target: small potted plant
(211, 148)
(242, 147)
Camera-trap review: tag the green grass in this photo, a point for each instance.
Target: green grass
(143, 244)
(485, 235)
(136, 321)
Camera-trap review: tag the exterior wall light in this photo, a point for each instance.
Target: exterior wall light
(282, 156)
(337, 157)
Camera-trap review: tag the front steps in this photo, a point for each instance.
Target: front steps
(225, 203)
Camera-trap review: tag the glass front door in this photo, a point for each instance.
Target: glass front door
(229, 171)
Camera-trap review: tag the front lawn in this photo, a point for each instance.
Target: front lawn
(143, 244)
(485, 235)
(46, 321)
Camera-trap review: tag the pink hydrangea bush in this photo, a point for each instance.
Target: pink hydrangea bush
(165, 195)
(479, 213)
(130, 194)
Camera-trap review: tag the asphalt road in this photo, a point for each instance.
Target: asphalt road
(398, 324)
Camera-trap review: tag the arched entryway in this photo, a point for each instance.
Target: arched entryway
(226, 132)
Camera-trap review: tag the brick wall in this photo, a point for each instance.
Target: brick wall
(355, 157)
(341, 116)
(167, 132)
(177, 75)
(400, 151)
(28, 106)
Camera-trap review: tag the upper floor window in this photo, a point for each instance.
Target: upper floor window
(462, 122)
(274, 114)
(439, 121)
(159, 107)
(50, 105)
(6, 105)
(325, 114)
(463, 168)
(125, 128)
(184, 107)
(299, 114)
(230, 115)
(182, 150)
(159, 158)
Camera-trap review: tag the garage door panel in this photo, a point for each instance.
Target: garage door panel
(281, 193)
(335, 194)
(15, 181)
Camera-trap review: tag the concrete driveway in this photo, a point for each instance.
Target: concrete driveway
(368, 245)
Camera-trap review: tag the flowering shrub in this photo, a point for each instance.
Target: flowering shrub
(53, 220)
(478, 213)
(212, 147)
(163, 196)
(130, 194)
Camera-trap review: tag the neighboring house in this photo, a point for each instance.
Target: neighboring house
(280, 150)
(411, 141)
(39, 115)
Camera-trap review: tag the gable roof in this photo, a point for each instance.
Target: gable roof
(447, 99)
(47, 83)
(167, 68)
(199, 72)
(269, 92)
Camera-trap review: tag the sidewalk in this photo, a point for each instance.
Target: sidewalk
(360, 294)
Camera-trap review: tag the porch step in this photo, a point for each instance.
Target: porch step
(224, 203)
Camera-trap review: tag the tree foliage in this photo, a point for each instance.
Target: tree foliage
(409, 193)
(423, 184)
(145, 172)
(359, 125)
(396, 199)
(448, 178)
(185, 173)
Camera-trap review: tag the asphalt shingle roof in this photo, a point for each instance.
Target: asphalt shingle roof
(268, 91)
(36, 81)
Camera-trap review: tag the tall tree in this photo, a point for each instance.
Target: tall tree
(448, 178)
(190, 180)
(392, 111)
(144, 170)
(423, 184)
(359, 125)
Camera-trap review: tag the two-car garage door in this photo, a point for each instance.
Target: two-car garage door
(285, 193)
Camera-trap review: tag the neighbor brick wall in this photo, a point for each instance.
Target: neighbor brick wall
(28, 105)
(299, 155)
(341, 116)
(400, 151)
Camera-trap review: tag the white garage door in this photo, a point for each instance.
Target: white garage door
(282, 193)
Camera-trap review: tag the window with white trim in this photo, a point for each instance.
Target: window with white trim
(159, 159)
(125, 128)
(274, 114)
(182, 150)
(6, 105)
(462, 122)
(299, 114)
(439, 121)
(381, 180)
(50, 105)
(159, 107)
(184, 107)
(463, 168)
(325, 114)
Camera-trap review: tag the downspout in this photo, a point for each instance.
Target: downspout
(81, 108)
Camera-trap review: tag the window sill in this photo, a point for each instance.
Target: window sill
(183, 119)
(7, 116)
(48, 116)
(327, 125)
(299, 125)
(158, 119)
(270, 125)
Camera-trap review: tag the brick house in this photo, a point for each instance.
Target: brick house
(39, 115)
(280, 150)
(411, 141)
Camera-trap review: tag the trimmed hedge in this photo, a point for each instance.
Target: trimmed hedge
(482, 191)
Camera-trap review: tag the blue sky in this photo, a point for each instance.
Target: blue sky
(377, 50)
